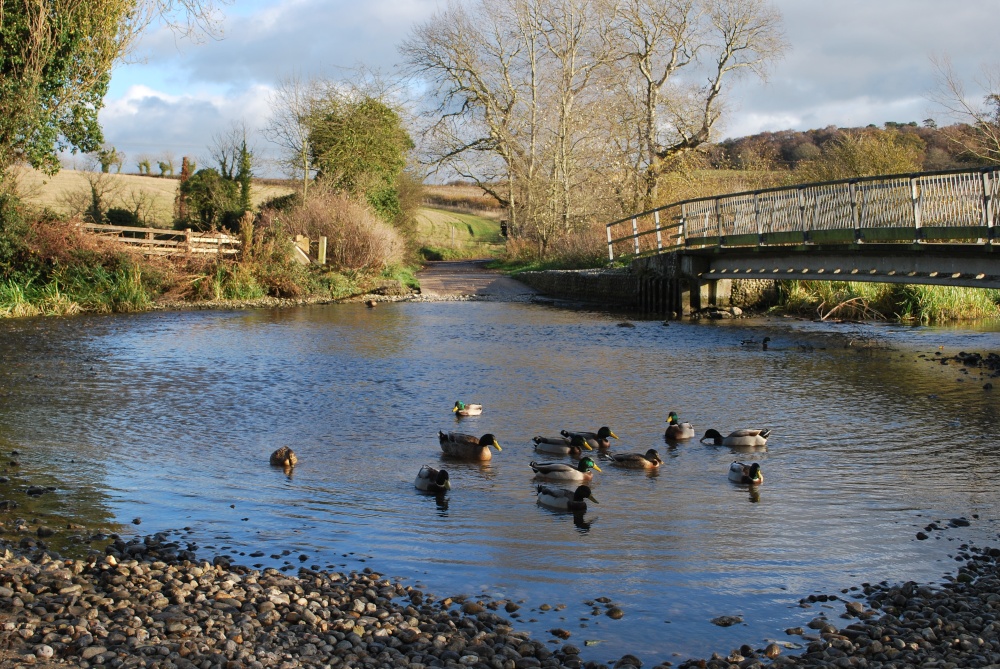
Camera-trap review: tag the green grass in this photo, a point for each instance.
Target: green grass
(447, 235)
(888, 301)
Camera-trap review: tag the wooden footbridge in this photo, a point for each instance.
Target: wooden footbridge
(931, 228)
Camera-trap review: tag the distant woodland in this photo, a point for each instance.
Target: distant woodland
(935, 148)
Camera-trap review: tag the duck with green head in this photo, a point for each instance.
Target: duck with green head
(468, 447)
(744, 473)
(573, 446)
(433, 480)
(597, 439)
(463, 409)
(676, 430)
(745, 438)
(561, 471)
(648, 460)
(561, 498)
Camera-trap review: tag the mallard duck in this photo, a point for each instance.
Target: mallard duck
(560, 471)
(651, 459)
(753, 343)
(467, 447)
(561, 498)
(743, 473)
(561, 445)
(676, 430)
(284, 457)
(463, 409)
(597, 439)
(746, 437)
(432, 480)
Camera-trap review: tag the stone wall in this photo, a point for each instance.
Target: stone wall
(616, 288)
(754, 293)
(619, 288)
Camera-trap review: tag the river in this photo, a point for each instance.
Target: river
(169, 418)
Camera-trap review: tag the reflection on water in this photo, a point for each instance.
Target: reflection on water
(172, 416)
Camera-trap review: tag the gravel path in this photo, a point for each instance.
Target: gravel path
(457, 278)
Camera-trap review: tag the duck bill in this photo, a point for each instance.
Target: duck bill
(497, 445)
(587, 446)
(593, 499)
(596, 468)
(614, 435)
(447, 485)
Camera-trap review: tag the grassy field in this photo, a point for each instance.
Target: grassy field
(62, 192)
(453, 235)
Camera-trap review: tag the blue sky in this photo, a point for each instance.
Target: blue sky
(850, 63)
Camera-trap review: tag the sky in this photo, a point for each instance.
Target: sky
(850, 63)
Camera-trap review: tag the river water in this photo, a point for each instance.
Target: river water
(170, 417)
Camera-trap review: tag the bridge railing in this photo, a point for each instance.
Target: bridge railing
(956, 206)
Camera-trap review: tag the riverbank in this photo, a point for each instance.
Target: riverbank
(150, 602)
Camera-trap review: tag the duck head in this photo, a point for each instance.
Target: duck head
(489, 440)
(442, 479)
(653, 456)
(582, 493)
(673, 418)
(754, 472)
(586, 464)
(579, 442)
(606, 432)
(714, 436)
(459, 406)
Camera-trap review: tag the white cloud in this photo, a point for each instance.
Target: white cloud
(851, 63)
(147, 121)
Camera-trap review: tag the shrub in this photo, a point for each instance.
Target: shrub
(357, 240)
(122, 217)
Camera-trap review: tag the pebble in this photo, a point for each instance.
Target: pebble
(163, 607)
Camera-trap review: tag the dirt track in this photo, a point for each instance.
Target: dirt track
(452, 278)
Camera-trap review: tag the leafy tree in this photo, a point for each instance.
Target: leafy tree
(359, 147)
(211, 201)
(55, 64)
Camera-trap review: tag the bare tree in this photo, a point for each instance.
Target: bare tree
(93, 200)
(560, 107)
(719, 39)
(292, 105)
(980, 112)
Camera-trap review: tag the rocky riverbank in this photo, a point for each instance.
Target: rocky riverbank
(149, 602)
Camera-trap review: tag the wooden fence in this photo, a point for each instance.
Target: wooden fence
(152, 241)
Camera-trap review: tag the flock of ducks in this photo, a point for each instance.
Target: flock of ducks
(463, 446)
(576, 445)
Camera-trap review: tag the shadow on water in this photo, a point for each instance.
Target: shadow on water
(171, 416)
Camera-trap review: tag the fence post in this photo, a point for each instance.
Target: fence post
(683, 227)
(321, 252)
(718, 221)
(611, 249)
(659, 240)
(756, 218)
(915, 190)
(988, 206)
(635, 234)
(855, 213)
(187, 240)
(802, 214)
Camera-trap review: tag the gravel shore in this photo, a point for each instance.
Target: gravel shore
(151, 603)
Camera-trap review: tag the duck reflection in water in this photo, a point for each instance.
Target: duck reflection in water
(581, 522)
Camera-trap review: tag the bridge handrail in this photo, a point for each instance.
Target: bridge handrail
(910, 207)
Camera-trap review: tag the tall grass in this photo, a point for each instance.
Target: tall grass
(888, 301)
